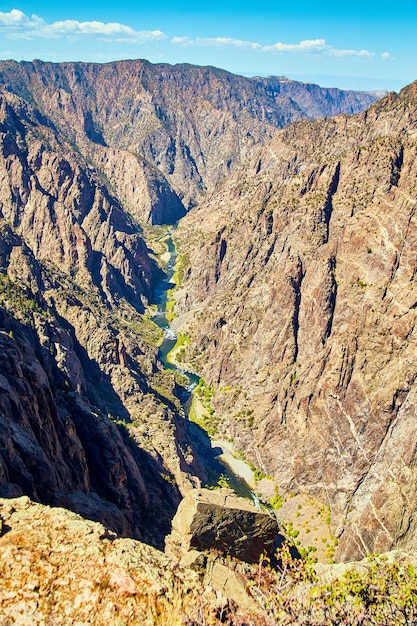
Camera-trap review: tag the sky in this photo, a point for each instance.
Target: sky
(351, 45)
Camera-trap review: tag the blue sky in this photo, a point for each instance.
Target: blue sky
(360, 45)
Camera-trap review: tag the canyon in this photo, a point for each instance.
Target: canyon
(295, 297)
(300, 301)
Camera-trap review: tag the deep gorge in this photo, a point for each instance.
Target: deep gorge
(297, 295)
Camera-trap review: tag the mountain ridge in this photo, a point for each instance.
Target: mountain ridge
(300, 298)
(192, 123)
(90, 156)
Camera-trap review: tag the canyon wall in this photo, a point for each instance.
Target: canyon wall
(300, 297)
(299, 290)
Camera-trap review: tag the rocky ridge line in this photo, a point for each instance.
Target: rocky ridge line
(300, 300)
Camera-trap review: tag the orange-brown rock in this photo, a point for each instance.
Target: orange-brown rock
(56, 567)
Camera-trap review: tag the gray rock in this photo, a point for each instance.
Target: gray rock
(222, 521)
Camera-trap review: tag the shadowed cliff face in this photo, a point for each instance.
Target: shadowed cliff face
(295, 258)
(165, 135)
(301, 302)
(82, 423)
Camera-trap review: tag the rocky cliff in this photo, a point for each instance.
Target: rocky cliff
(84, 419)
(300, 297)
(164, 135)
(89, 419)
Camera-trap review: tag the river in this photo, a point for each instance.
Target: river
(217, 455)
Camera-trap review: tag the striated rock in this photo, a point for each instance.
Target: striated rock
(221, 521)
(163, 133)
(300, 298)
(81, 424)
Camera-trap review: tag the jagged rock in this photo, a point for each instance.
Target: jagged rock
(75, 275)
(230, 584)
(193, 559)
(81, 276)
(221, 521)
(56, 567)
(308, 255)
(162, 133)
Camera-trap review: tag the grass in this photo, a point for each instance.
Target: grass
(379, 592)
(148, 330)
(201, 411)
(18, 299)
(170, 306)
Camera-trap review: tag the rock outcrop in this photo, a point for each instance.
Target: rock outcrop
(164, 135)
(81, 422)
(300, 299)
(56, 567)
(221, 521)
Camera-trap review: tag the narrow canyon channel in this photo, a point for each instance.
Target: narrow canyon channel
(216, 455)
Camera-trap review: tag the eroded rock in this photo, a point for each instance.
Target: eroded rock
(219, 520)
(308, 257)
(56, 567)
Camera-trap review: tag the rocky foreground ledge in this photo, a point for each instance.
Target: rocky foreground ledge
(57, 568)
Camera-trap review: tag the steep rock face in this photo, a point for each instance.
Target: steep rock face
(314, 101)
(80, 145)
(54, 448)
(219, 520)
(79, 366)
(172, 131)
(301, 302)
(61, 211)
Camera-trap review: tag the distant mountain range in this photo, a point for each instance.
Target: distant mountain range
(180, 128)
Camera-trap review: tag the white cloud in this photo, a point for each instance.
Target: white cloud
(317, 46)
(181, 40)
(334, 52)
(18, 26)
(216, 42)
(307, 45)
(386, 55)
(13, 18)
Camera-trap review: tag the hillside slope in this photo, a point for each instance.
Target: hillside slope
(165, 135)
(300, 298)
(84, 420)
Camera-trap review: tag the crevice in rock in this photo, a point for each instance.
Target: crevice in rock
(327, 211)
(347, 365)
(396, 167)
(331, 298)
(296, 284)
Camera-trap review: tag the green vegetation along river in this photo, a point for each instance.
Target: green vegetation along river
(215, 455)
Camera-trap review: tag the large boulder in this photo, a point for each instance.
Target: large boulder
(220, 520)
